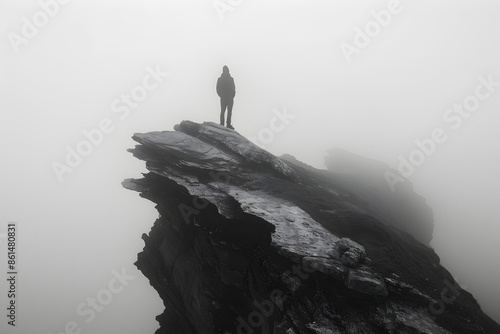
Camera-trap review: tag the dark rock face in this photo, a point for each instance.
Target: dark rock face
(250, 243)
(382, 193)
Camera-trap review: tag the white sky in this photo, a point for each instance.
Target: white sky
(282, 54)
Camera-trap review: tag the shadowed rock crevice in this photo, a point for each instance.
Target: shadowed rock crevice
(247, 242)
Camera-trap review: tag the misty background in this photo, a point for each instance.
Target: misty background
(283, 55)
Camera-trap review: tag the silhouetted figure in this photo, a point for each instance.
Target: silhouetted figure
(226, 90)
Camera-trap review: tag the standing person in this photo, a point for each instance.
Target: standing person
(226, 91)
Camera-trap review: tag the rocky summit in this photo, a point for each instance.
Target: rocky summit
(247, 242)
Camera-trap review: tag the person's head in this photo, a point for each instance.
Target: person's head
(225, 69)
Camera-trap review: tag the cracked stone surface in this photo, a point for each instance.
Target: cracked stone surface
(247, 242)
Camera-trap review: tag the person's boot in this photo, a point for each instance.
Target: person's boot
(230, 126)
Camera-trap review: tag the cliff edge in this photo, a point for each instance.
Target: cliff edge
(247, 242)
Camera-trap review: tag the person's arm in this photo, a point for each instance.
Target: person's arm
(234, 88)
(217, 87)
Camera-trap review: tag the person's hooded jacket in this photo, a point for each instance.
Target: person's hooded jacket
(225, 85)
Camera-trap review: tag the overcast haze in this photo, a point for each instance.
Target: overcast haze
(284, 56)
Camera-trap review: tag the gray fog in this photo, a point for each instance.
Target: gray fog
(381, 79)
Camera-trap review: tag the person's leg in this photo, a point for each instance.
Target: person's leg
(222, 110)
(229, 110)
